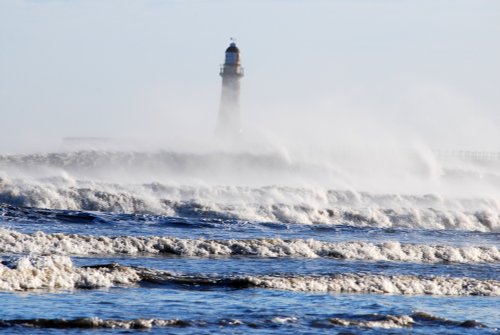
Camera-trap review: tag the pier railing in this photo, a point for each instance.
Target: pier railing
(231, 69)
(468, 155)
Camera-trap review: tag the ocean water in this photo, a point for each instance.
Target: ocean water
(239, 243)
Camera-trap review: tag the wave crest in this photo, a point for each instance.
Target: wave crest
(372, 321)
(39, 242)
(58, 273)
(262, 204)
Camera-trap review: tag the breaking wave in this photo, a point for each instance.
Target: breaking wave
(71, 244)
(387, 321)
(396, 321)
(262, 204)
(380, 284)
(189, 185)
(58, 272)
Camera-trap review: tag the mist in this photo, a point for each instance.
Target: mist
(335, 96)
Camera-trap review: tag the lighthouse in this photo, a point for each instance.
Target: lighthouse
(228, 122)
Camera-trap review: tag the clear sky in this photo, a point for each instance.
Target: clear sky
(326, 71)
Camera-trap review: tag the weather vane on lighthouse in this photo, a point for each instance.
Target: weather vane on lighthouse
(228, 122)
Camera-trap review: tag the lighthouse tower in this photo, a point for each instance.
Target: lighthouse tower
(228, 123)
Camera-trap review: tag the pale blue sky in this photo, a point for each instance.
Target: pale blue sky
(320, 70)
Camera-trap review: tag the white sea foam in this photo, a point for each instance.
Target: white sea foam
(71, 244)
(379, 284)
(388, 321)
(284, 319)
(58, 272)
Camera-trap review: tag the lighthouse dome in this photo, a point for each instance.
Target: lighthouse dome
(232, 55)
(232, 48)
